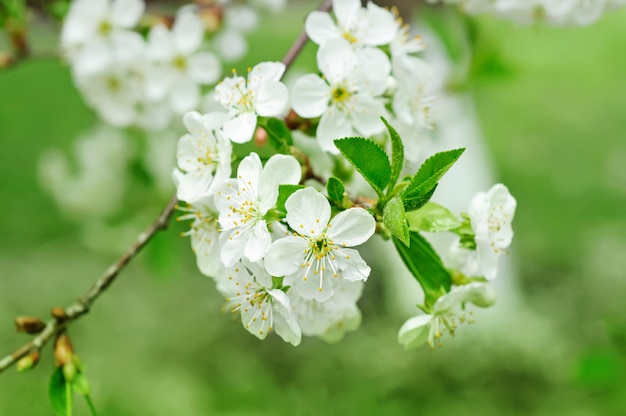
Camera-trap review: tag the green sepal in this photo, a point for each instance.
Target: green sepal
(394, 219)
(426, 266)
(278, 134)
(369, 159)
(397, 154)
(431, 171)
(432, 218)
(284, 192)
(81, 384)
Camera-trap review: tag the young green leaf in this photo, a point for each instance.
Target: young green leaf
(369, 159)
(433, 218)
(430, 173)
(397, 154)
(335, 189)
(425, 265)
(57, 392)
(278, 134)
(284, 192)
(394, 219)
(411, 204)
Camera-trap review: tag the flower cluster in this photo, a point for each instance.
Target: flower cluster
(368, 70)
(551, 12)
(482, 239)
(148, 81)
(282, 252)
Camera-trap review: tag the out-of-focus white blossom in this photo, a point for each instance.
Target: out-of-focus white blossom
(178, 67)
(448, 313)
(551, 12)
(329, 320)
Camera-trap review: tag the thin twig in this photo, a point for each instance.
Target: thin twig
(83, 304)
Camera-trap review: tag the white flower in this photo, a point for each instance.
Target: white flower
(491, 214)
(179, 68)
(230, 40)
(262, 94)
(373, 26)
(317, 254)
(97, 33)
(204, 233)
(243, 203)
(348, 96)
(447, 315)
(331, 319)
(203, 157)
(248, 290)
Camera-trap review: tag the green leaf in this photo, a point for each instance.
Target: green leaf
(394, 219)
(369, 159)
(284, 192)
(81, 385)
(411, 204)
(397, 154)
(335, 189)
(433, 218)
(57, 392)
(426, 266)
(278, 134)
(430, 173)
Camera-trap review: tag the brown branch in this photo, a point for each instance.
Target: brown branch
(83, 304)
(62, 318)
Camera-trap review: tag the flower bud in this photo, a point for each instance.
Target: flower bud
(58, 313)
(29, 324)
(69, 372)
(260, 137)
(63, 351)
(28, 362)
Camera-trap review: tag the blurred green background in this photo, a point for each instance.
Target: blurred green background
(157, 344)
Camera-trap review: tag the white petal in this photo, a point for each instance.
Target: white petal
(188, 30)
(285, 256)
(93, 57)
(308, 212)
(336, 60)
(204, 68)
(263, 73)
(366, 116)
(233, 247)
(285, 324)
(382, 25)
(319, 27)
(310, 96)
(272, 99)
(241, 128)
(160, 46)
(414, 332)
(185, 95)
(279, 169)
(334, 124)
(259, 240)
(126, 13)
(352, 265)
(315, 286)
(352, 227)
